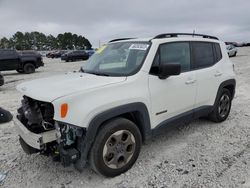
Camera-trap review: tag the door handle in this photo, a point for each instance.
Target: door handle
(217, 74)
(190, 82)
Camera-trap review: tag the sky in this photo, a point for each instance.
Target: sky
(103, 20)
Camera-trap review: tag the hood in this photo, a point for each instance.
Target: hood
(49, 89)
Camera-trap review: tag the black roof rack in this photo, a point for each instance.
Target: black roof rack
(169, 35)
(114, 40)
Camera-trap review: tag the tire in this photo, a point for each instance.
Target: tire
(123, 138)
(235, 54)
(20, 70)
(29, 68)
(222, 107)
(1, 80)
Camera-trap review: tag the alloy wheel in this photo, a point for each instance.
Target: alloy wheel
(119, 149)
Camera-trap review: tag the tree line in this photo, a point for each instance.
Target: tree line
(39, 41)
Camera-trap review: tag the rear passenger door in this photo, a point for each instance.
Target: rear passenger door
(206, 59)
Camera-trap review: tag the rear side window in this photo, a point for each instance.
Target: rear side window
(218, 53)
(203, 54)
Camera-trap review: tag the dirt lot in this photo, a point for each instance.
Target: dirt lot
(200, 154)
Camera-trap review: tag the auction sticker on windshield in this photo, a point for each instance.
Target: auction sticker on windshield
(139, 47)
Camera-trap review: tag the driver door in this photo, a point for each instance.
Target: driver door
(175, 95)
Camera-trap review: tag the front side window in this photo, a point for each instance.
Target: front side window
(117, 59)
(203, 54)
(178, 52)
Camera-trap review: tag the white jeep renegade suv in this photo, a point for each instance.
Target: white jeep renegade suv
(123, 94)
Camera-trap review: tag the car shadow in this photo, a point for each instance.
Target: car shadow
(16, 73)
(239, 56)
(7, 82)
(10, 74)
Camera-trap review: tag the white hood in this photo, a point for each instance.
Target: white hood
(49, 89)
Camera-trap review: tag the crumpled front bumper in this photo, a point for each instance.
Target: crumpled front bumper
(34, 140)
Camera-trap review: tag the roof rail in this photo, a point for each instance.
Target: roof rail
(169, 35)
(114, 40)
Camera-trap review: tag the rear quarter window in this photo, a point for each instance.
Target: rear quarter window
(218, 53)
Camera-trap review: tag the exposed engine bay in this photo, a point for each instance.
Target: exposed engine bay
(37, 117)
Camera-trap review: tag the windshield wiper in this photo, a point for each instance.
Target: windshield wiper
(95, 73)
(98, 73)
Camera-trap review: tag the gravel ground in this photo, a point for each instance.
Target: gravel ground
(200, 154)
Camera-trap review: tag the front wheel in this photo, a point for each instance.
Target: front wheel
(116, 147)
(29, 68)
(222, 107)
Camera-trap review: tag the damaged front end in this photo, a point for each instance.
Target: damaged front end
(40, 133)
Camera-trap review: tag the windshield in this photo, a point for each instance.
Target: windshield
(117, 59)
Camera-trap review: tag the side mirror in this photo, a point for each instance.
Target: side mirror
(169, 69)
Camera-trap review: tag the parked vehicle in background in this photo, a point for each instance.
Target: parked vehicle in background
(58, 54)
(231, 50)
(236, 44)
(43, 53)
(51, 54)
(1, 79)
(90, 52)
(128, 91)
(75, 55)
(22, 61)
(48, 54)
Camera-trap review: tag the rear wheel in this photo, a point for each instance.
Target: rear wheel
(29, 68)
(116, 147)
(222, 107)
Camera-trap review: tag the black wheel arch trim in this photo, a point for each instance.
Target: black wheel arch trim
(85, 145)
(230, 82)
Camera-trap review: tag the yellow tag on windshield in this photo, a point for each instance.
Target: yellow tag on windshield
(101, 49)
